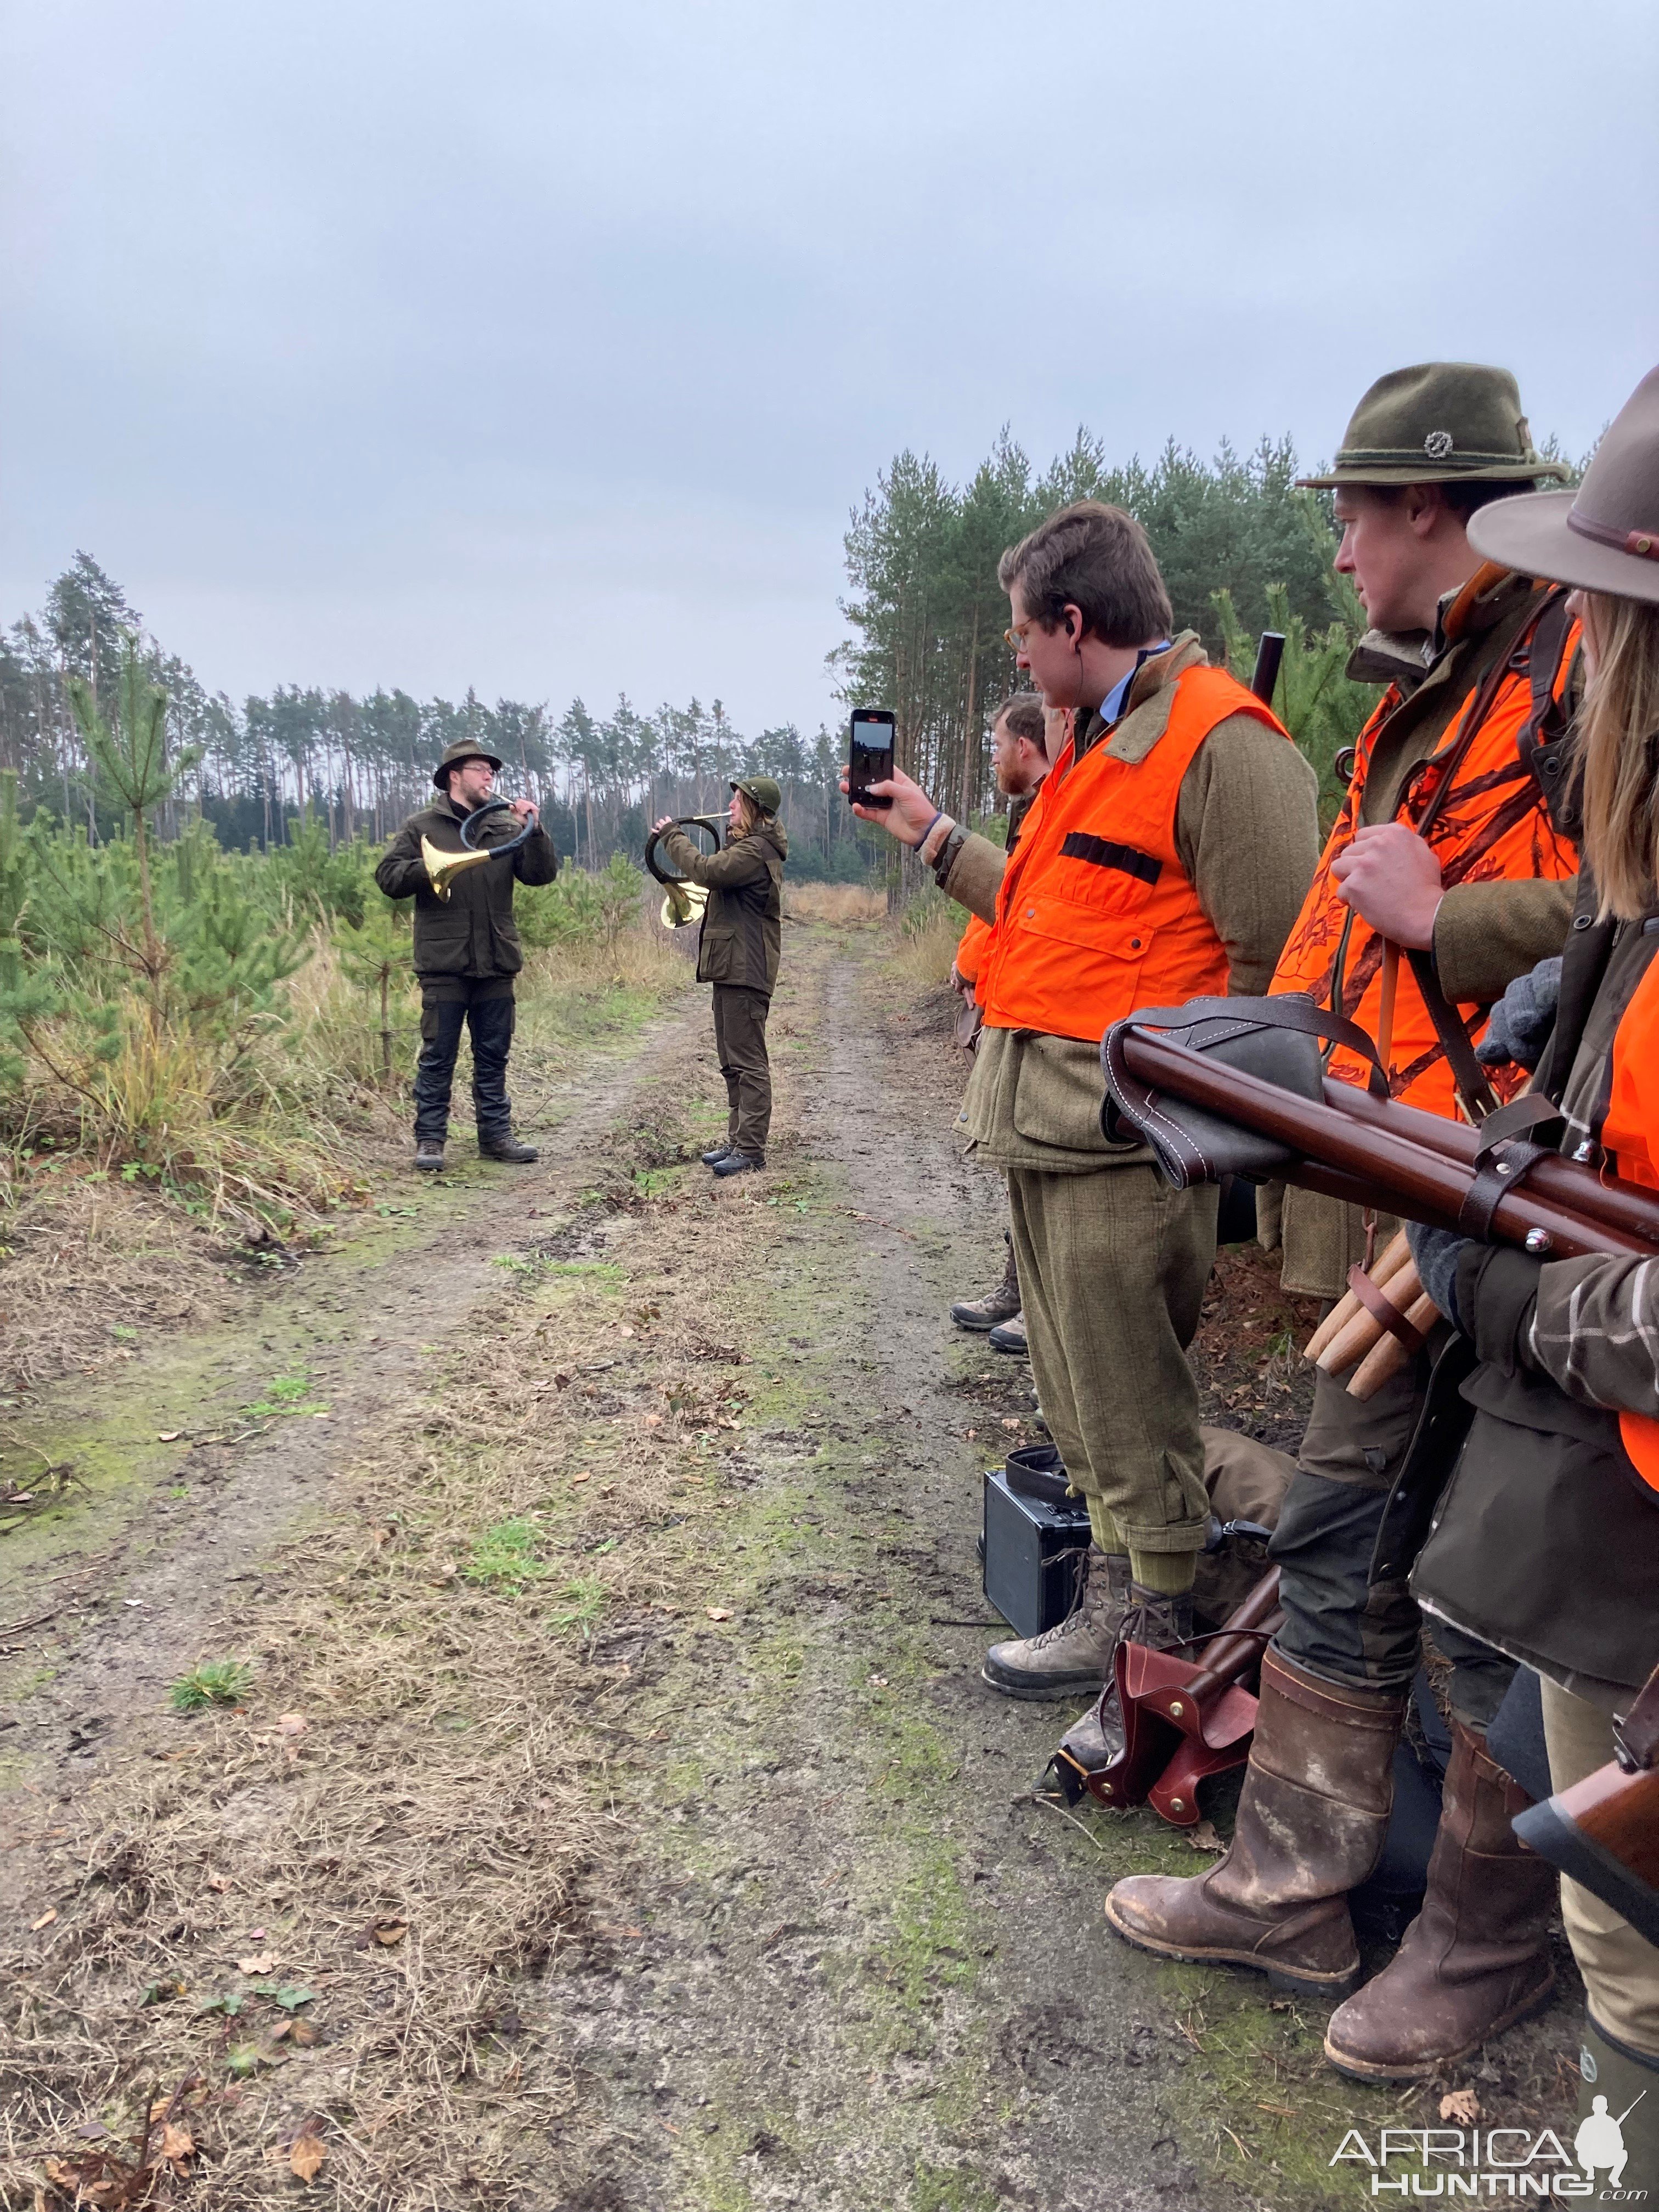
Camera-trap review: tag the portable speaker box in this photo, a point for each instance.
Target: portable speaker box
(1030, 1553)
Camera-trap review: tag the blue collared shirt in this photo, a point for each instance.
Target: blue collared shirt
(1112, 705)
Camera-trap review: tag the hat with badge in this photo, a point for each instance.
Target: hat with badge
(1605, 536)
(762, 789)
(1444, 422)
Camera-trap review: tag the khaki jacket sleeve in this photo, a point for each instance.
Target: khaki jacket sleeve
(1247, 830)
(724, 871)
(973, 876)
(1487, 934)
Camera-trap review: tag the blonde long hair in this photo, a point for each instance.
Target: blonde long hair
(1620, 754)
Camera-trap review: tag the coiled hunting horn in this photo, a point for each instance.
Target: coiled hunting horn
(683, 901)
(442, 868)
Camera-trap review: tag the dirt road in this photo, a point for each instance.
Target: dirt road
(612, 1817)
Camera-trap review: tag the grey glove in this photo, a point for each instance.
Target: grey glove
(1436, 1252)
(1523, 1018)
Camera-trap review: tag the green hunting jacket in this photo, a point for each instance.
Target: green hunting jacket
(742, 923)
(473, 933)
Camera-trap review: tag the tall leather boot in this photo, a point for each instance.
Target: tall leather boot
(1476, 1958)
(1310, 1827)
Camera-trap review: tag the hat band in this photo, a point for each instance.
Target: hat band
(1645, 543)
(1457, 457)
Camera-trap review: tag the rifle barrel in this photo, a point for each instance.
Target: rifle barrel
(1621, 1205)
(1410, 1178)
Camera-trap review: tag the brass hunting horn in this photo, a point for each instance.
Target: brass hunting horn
(683, 901)
(442, 868)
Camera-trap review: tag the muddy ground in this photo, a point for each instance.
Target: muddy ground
(609, 1816)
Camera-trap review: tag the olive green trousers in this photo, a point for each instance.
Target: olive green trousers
(1112, 1269)
(740, 1041)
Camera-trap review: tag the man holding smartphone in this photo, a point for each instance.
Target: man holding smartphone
(1165, 857)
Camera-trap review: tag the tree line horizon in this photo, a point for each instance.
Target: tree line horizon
(1240, 549)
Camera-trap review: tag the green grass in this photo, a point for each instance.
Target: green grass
(214, 1682)
(504, 1557)
(584, 1596)
(288, 1393)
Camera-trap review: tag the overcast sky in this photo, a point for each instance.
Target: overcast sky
(545, 348)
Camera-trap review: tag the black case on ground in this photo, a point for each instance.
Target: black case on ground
(1031, 1541)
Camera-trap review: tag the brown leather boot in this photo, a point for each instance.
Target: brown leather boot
(1476, 1958)
(1311, 1825)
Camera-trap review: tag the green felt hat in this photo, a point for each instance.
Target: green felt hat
(762, 789)
(1445, 422)
(463, 750)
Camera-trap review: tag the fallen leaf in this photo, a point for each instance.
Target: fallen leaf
(283, 2028)
(261, 1963)
(390, 1931)
(168, 1435)
(45, 1921)
(307, 2156)
(653, 1420)
(215, 1881)
(291, 1995)
(292, 1724)
(1204, 1837)
(581, 1477)
(718, 1612)
(177, 2141)
(1462, 2105)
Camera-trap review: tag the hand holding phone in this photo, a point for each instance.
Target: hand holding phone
(869, 754)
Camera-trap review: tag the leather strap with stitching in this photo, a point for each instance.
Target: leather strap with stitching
(1636, 1733)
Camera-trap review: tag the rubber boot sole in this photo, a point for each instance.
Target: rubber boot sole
(1364, 2070)
(1049, 1694)
(1278, 1977)
(979, 1326)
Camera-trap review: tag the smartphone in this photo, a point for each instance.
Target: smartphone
(869, 754)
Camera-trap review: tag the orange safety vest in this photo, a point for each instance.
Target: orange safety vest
(971, 951)
(1096, 915)
(1492, 825)
(1630, 1133)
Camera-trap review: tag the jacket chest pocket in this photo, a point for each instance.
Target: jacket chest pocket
(1105, 874)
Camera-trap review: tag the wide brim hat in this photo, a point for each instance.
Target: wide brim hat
(1442, 422)
(762, 789)
(462, 750)
(1605, 536)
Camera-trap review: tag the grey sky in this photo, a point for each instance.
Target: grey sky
(545, 348)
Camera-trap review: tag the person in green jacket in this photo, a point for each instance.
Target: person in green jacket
(738, 953)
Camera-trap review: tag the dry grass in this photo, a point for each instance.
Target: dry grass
(842, 903)
(411, 1767)
(925, 941)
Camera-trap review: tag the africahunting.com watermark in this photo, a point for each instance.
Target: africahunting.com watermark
(1484, 2164)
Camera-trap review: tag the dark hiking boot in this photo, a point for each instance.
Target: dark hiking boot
(508, 1149)
(1009, 1336)
(1094, 1741)
(1477, 1957)
(1317, 1794)
(739, 1163)
(430, 1155)
(713, 1159)
(998, 1305)
(1076, 1654)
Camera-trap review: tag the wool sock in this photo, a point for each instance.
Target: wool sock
(1168, 1573)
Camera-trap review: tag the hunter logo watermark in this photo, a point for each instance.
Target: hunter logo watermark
(1495, 2163)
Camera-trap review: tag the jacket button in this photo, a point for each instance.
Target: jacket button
(1030, 914)
(1134, 944)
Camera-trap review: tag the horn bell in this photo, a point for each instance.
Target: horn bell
(683, 902)
(442, 868)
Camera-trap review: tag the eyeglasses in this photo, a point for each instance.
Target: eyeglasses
(1016, 637)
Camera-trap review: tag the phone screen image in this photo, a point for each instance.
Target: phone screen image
(869, 754)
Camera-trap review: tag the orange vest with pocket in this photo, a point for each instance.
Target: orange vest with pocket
(971, 951)
(1096, 915)
(1630, 1132)
(1493, 824)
